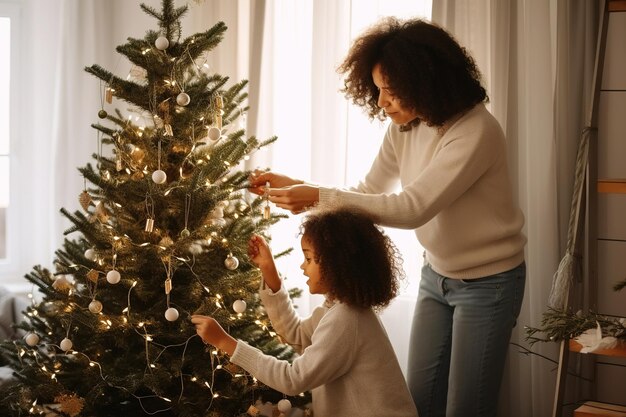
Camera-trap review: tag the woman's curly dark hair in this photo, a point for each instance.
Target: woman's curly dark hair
(424, 66)
(357, 260)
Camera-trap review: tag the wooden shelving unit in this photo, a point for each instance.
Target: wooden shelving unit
(604, 235)
(617, 6)
(614, 186)
(618, 351)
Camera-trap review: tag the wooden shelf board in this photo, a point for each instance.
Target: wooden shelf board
(617, 6)
(613, 185)
(619, 350)
(597, 409)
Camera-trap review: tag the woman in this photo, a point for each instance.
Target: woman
(449, 155)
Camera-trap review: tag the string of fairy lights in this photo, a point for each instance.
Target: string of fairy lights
(133, 164)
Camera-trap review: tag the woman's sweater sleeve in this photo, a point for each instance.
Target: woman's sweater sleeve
(458, 164)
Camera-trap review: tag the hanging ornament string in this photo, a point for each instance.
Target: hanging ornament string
(171, 314)
(159, 156)
(113, 276)
(185, 232)
(159, 176)
(99, 151)
(102, 113)
(150, 213)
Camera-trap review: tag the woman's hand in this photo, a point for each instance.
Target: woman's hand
(261, 255)
(259, 179)
(295, 198)
(212, 333)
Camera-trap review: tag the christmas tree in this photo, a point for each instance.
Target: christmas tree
(163, 235)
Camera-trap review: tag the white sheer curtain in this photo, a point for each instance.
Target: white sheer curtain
(56, 106)
(536, 57)
(322, 137)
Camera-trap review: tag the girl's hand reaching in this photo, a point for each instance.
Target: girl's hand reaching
(212, 333)
(259, 252)
(261, 255)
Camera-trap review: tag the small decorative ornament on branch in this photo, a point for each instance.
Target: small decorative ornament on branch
(171, 314)
(161, 43)
(185, 232)
(102, 113)
(231, 262)
(159, 176)
(150, 214)
(183, 99)
(31, 339)
(84, 198)
(66, 344)
(95, 306)
(113, 276)
(284, 406)
(266, 197)
(239, 306)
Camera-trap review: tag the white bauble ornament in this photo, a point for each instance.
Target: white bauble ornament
(171, 314)
(214, 133)
(95, 306)
(90, 254)
(161, 43)
(113, 277)
(239, 306)
(31, 339)
(159, 176)
(183, 99)
(65, 345)
(231, 262)
(284, 405)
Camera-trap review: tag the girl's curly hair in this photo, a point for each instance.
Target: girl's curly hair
(357, 260)
(423, 65)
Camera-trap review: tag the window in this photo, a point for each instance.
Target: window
(8, 31)
(5, 77)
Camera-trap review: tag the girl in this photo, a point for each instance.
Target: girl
(346, 359)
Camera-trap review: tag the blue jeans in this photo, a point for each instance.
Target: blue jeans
(459, 341)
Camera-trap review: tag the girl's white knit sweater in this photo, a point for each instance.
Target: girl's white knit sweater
(346, 360)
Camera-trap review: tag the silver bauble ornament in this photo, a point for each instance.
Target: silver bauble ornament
(183, 99)
(159, 176)
(161, 43)
(231, 262)
(171, 314)
(95, 306)
(239, 306)
(113, 277)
